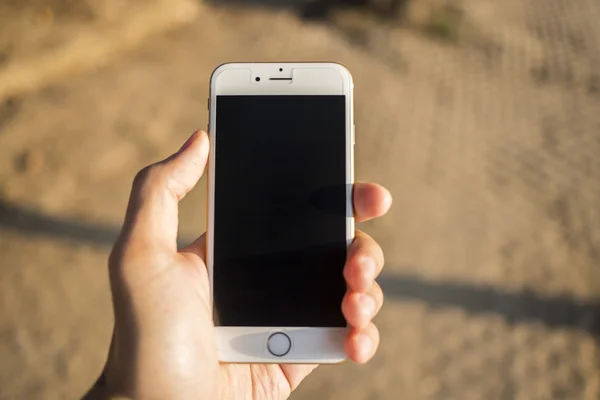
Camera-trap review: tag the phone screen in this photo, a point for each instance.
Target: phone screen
(280, 210)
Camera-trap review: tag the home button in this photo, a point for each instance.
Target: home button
(279, 344)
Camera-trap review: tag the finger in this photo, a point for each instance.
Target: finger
(197, 247)
(151, 219)
(361, 343)
(360, 308)
(364, 262)
(370, 200)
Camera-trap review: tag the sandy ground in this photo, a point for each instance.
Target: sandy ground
(489, 141)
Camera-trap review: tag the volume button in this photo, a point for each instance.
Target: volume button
(353, 135)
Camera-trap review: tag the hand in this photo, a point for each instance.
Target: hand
(164, 344)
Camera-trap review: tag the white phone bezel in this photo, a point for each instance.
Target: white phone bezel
(309, 344)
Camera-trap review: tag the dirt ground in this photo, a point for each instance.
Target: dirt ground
(482, 118)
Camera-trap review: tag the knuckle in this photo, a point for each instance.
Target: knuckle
(148, 177)
(145, 174)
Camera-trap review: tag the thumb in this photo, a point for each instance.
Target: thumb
(152, 214)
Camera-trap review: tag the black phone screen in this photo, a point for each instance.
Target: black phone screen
(280, 210)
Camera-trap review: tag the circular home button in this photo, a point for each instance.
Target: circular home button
(279, 344)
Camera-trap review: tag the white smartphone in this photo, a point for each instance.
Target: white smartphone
(280, 216)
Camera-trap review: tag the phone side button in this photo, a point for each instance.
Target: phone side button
(353, 135)
(279, 344)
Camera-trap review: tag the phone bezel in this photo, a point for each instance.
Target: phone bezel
(309, 344)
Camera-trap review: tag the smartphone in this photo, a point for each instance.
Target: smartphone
(280, 214)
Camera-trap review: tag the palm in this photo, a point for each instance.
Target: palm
(241, 381)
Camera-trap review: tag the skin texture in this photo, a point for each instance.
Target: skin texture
(164, 344)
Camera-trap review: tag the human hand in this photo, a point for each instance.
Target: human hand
(164, 344)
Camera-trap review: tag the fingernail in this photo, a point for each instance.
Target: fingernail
(367, 304)
(188, 142)
(364, 347)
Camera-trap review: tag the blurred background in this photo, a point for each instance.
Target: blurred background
(481, 116)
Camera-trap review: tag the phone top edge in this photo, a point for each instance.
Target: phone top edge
(339, 67)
